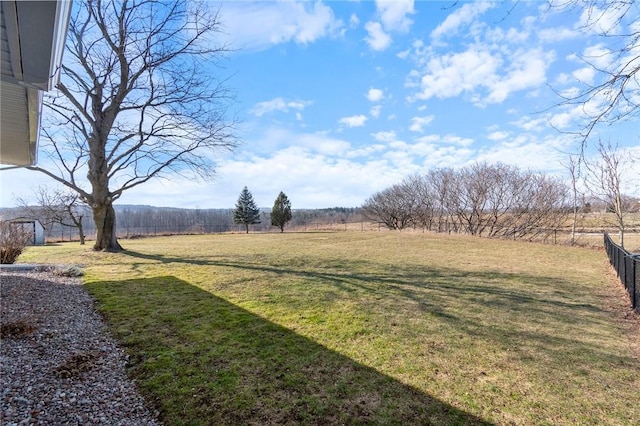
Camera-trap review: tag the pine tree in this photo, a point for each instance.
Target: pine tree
(281, 212)
(246, 212)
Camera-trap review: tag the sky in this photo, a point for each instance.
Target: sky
(337, 100)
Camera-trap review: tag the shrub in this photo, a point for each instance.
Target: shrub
(13, 240)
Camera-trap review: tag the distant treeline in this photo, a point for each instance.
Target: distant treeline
(134, 220)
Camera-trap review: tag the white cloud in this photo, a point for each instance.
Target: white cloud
(366, 151)
(512, 35)
(527, 70)
(375, 111)
(353, 121)
(561, 120)
(598, 56)
(562, 78)
(436, 151)
(476, 71)
(464, 15)
(377, 38)
(259, 25)
(404, 54)
(529, 152)
(451, 74)
(497, 135)
(277, 104)
(417, 123)
(554, 35)
(315, 170)
(309, 179)
(384, 136)
(449, 139)
(354, 21)
(584, 75)
(274, 138)
(375, 95)
(393, 14)
(321, 143)
(392, 18)
(531, 124)
(601, 21)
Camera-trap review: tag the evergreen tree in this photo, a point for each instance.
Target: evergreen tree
(281, 212)
(246, 212)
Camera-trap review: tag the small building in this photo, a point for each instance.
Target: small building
(33, 227)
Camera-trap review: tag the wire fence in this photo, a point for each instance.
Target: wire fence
(626, 266)
(585, 236)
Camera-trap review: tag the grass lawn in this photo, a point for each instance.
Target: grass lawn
(367, 328)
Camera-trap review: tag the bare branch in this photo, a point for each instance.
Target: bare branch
(138, 99)
(615, 96)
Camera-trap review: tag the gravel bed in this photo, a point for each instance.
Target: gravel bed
(58, 364)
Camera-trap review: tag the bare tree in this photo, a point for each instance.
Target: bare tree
(62, 206)
(615, 94)
(422, 200)
(441, 185)
(605, 179)
(481, 199)
(540, 206)
(573, 167)
(137, 100)
(390, 206)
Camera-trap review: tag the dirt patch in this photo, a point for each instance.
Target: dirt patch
(75, 365)
(16, 329)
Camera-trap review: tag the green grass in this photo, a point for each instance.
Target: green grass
(366, 328)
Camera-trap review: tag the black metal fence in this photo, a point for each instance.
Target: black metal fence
(627, 267)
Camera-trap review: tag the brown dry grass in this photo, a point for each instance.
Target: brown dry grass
(368, 327)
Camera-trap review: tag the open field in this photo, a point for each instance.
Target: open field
(368, 328)
(585, 237)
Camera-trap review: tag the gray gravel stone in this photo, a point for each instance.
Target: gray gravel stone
(58, 363)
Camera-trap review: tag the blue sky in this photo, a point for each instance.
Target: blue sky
(340, 99)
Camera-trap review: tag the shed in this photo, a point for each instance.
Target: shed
(33, 227)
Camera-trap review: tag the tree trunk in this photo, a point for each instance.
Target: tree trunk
(573, 224)
(621, 236)
(247, 226)
(104, 217)
(81, 230)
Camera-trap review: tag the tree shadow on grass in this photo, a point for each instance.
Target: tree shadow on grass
(410, 281)
(203, 360)
(552, 306)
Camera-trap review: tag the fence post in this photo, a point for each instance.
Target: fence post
(632, 284)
